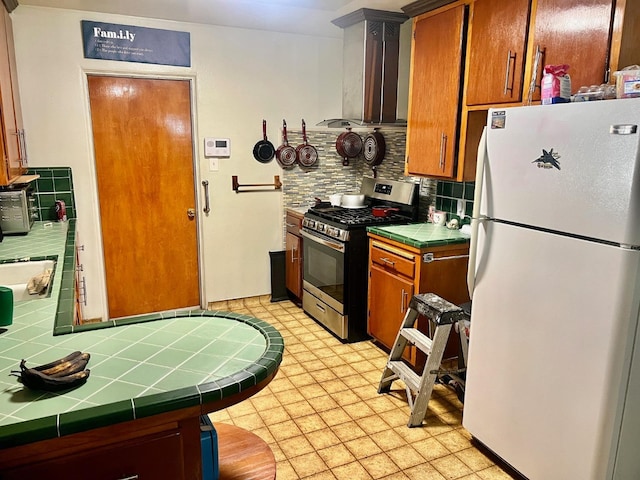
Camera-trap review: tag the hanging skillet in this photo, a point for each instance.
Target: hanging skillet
(348, 145)
(264, 151)
(374, 150)
(286, 154)
(307, 155)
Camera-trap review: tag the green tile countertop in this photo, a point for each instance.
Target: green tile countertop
(140, 366)
(420, 235)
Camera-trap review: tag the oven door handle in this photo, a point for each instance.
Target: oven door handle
(328, 243)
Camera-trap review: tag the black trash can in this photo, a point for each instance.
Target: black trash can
(278, 280)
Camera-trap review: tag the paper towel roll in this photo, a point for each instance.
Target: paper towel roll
(6, 306)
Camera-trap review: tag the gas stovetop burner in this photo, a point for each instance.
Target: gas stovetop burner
(342, 223)
(355, 216)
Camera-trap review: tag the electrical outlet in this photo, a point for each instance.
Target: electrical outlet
(213, 164)
(461, 208)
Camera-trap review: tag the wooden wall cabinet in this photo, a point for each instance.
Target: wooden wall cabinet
(12, 139)
(397, 272)
(434, 92)
(575, 32)
(497, 51)
(507, 45)
(293, 252)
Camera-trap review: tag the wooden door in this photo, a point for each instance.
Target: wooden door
(144, 167)
(575, 32)
(434, 107)
(497, 48)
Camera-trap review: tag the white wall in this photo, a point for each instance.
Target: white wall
(240, 77)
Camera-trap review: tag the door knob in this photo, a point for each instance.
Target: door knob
(191, 213)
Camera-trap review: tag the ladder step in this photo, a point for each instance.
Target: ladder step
(419, 339)
(404, 372)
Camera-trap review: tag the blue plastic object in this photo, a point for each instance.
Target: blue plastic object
(209, 447)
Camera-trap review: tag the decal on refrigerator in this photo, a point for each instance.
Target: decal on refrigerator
(498, 119)
(548, 159)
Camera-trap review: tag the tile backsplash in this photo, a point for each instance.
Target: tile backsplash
(328, 175)
(302, 185)
(447, 195)
(55, 183)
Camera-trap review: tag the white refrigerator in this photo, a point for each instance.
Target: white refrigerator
(553, 380)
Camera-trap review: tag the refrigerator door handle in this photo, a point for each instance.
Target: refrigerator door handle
(475, 219)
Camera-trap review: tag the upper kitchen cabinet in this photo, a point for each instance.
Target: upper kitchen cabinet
(575, 32)
(14, 158)
(497, 51)
(503, 48)
(434, 91)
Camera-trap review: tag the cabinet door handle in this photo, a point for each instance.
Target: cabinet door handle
(205, 184)
(537, 62)
(294, 252)
(403, 295)
(443, 150)
(131, 477)
(388, 262)
(22, 148)
(290, 224)
(510, 57)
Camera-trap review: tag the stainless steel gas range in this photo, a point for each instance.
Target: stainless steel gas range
(336, 254)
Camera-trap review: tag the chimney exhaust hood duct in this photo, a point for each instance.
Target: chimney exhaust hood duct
(370, 68)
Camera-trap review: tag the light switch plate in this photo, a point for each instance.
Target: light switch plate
(460, 211)
(213, 164)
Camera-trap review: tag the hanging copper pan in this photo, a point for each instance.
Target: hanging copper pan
(348, 145)
(285, 154)
(374, 150)
(307, 155)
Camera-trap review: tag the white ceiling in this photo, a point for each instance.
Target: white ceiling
(311, 17)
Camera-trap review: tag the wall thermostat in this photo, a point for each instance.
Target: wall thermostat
(216, 147)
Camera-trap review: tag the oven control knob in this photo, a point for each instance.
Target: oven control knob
(331, 231)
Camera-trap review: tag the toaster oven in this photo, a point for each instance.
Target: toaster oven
(18, 209)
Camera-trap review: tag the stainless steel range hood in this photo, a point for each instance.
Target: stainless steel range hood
(371, 56)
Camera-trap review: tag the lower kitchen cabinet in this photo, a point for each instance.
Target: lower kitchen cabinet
(397, 272)
(389, 296)
(171, 451)
(293, 250)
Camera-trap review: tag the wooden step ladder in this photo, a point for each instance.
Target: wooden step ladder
(444, 315)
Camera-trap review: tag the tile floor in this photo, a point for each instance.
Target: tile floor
(324, 419)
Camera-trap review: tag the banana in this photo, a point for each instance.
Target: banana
(53, 364)
(69, 367)
(36, 380)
